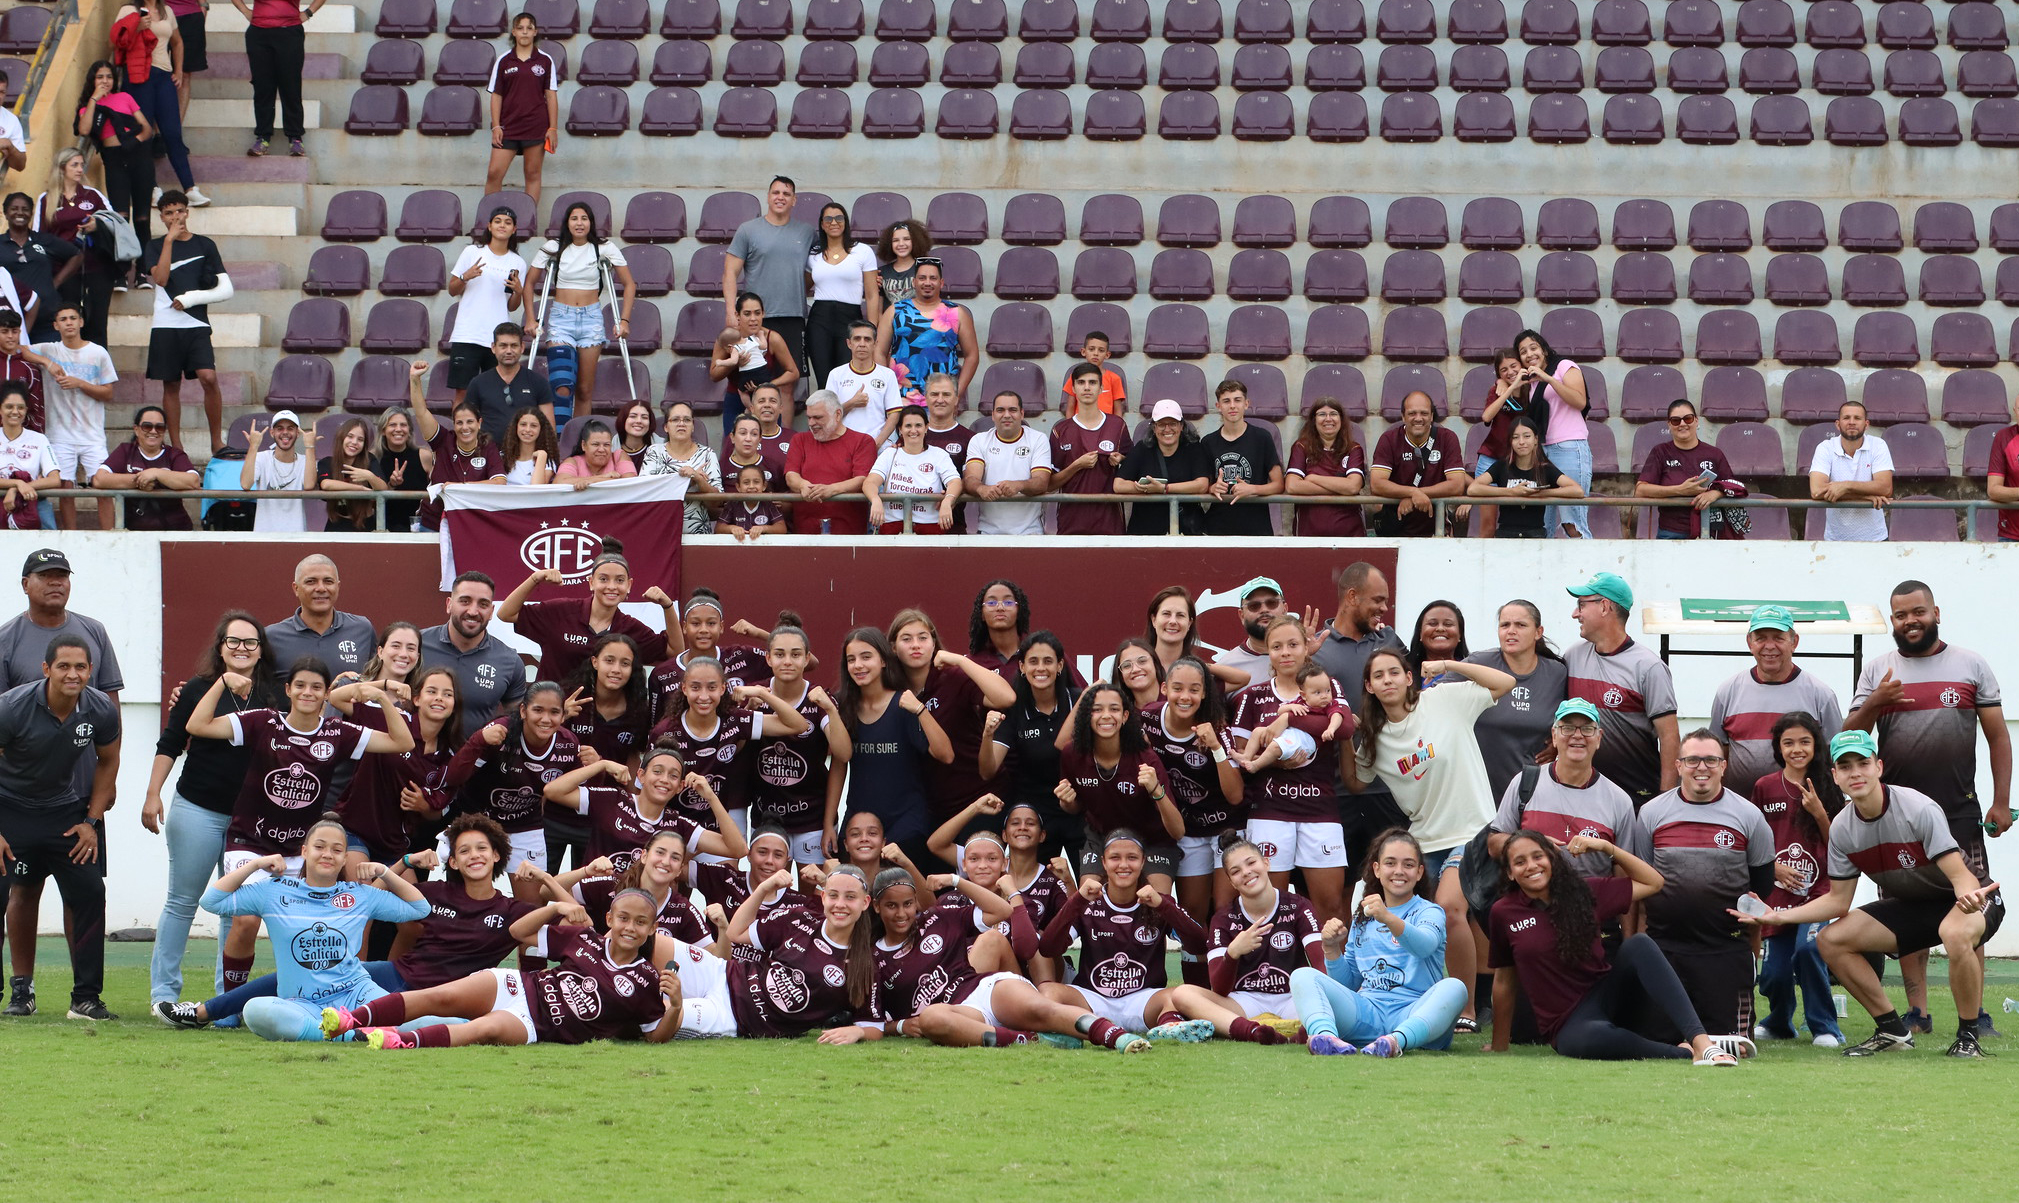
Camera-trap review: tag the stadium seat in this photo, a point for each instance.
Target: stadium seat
(1335, 275)
(671, 112)
(1176, 332)
(1842, 72)
(1977, 445)
(1930, 525)
(1193, 21)
(1963, 340)
(1855, 121)
(1189, 220)
(1552, 69)
(1559, 119)
(1416, 223)
(319, 324)
(1632, 120)
(1124, 20)
(1766, 23)
(1649, 336)
(1834, 24)
(1643, 225)
(1334, 21)
(355, 216)
(599, 211)
(1406, 69)
(1781, 121)
(1986, 73)
(1048, 21)
(1693, 23)
(1919, 451)
(1697, 70)
(599, 111)
(681, 64)
(398, 19)
(389, 61)
(1412, 277)
(1265, 220)
(1111, 320)
(1604, 454)
(1264, 117)
(1643, 278)
(1337, 332)
(1977, 26)
(1930, 121)
(655, 217)
(893, 113)
(398, 327)
(518, 202)
(560, 19)
(651, 267)
(1119, 65)
(1259, 275)
(705, 271)
(1111, 219)
(1114, 115)
(1621, 23)
(1476, 22)
(1811, 394)
(1647, 391)
(1624, 69)
(1895, 395)
(1041, 115)
(1794, 225)
(1258, 22)
(1414, 332)
(699, 19)
(1258, 332)
(411, 271)
(971, 65)
(1189, 65)
(1338, 382)
(1025, 379)
(1753, 449)
(1486, 330)
(376, 110)
(1734, 395)
(1905, 26)
(820, 113)
(644, 335)
(1769, 71)
(1030, 273)
(1042, 65)
(833, 21)
(1995, 122)
(1721, 279)
(450, 111)
(1485, 278)
(755, 64)
(899, 65)
(977, 21)
(1951, 280)
(377, 383)
(1401, 381)
(1914, 73)
(1549, 23)
(1405, 116)
(337, 271)
(1869, 226)
(1020, 330)
(1882, 340)
(1184, 383)
(696, 325)
(1874, 280)
(906, 21)
(307, 382)
(624, 19)
(1707, 121)
(1188, 117)
(1032, 219)
(1473, 69)
(1336, 117)
(961, 269)
(614, 63)
(1566, 278)
(967, 113)
(1399, 22)
(1975, 397)
(1567, 224)
(1728, 336)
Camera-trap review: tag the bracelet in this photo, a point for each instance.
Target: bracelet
(407, 860)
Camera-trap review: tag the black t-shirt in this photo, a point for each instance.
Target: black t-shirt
(887, 773)
(33, 266)
(1031, 770)
(353, 514)
(1248, 458)
(197, 264)
(400, 514)
(1154, 517)
(1523, 517)
(500, 401)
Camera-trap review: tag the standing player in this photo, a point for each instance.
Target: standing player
(1629, 684)
(1187, 732)
(1252, 947)
(564, 628)
(1800, 800)
(1746, 707)
(894, 736)
(607, 709)
(1111, 778)
(1899, 837)
(710, 725)
(624, 817)
(795, 784)
(393, 794)
(1122, 925)
(957, 691)
(1926, 701)
(503, 769)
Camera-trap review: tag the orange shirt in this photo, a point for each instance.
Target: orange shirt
(1113, 393)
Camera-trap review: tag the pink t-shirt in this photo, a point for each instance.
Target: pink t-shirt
(122, 102)
(275, 14)
(1566, 424)
(575, 465)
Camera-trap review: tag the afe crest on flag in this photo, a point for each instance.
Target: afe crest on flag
(568, 549)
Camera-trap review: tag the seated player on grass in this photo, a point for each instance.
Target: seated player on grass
(1383, 985)
(659, 868)
(1254, 945)
(814, 969)
(999, 863)
(1899, 838)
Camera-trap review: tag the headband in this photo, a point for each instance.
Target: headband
(852, 871)
(1121, 837)
(772, 835)
(892, 884)
(650, 902)
(991, 837)
(709, 602)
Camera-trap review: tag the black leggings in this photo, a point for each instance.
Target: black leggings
(1640, 993)
(827, 337)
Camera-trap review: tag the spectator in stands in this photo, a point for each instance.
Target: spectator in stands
(190, 16)
(1245, 465)
(189, 277)
(1096, 349)
(149, 461)
(489, 282)
(348, 469)
(13, 143)
(637, 430)
(923, 334)
(1417, 461)
(1327, 461)
(507, 385)
(1685, 466)
(530, 450)
(147, 45)
(342, 640)
(942, 413)
(897, 254)
(1630, 685)
(113, 122)
(1167, 459)
(489, 675)
(403, 464)
(1522, 472)
(870, 397)
(1006, 462)
(597, 459)
(14, 365)
(773, 433)
(1505, 408)
(911, 465)
(2001, 483)
(77, 379)
(587, 271)
(285, 465)
(1556, 397)
(31, 259)
(749, 354)
(1087, 447)
(462, 453)
(684, 454)
(768, 256)
(1856, 466)
(276, 49)
(1746, 707)
(26, 463)
(67, 212)
(830, 461)
(843, 276)
(525, 88)
(746, 449)
(746, 520)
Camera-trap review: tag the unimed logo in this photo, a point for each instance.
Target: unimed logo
(568, 549)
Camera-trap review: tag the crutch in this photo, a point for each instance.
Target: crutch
(623, 344)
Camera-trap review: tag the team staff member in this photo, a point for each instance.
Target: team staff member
(1746, 707)
(1900, 838)
(1629, 684)
(490, 679)
(317, 628)
(1518, 726)
(1570, 798)
(47, 829)
(565, 627)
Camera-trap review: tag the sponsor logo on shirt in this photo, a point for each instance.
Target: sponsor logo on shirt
(786, 986)
(1117, 975)
(293, 787)
(931, 945)
(580, 994)
(322, 749)
(319, 948)
(1523, 924)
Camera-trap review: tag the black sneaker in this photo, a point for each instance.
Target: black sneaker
(1880, 1042)
(179, 1014)
(1918, 1020)
(89, 1008)
(1966, 1045)
(1984, 1029)
(23, 1000)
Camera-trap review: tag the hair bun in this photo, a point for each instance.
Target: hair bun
(612, 547)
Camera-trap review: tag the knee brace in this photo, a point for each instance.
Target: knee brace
(562, 368)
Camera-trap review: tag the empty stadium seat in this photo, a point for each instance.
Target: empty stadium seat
(1806, 337)
(1048, 21)
(967, 113)
(337, 271)
(1693, 23)
(1894, 395)
(1905, 26)
(899, 65)
(1473, 69)
(1188, 117)
(1649, 336)
(1028, 273)
(376, 110)
(1643, 278)
(1874, 280)
(1552, 69)
(450, 111)
(1176, 332)
(1567, 224)
(1402, 381)
(1259, 275)
(320, 324)
(1039, 65)
(1930, 120)
(1919, 451)
(1485, 331)
(1752, 447)
(1488, 277)
(1414, 332)
(1405, 116)
(1405, 21)
(1869, 226)
(1782, 121)
(1995, 122)
(1951, 280)
(705, 271)
(977, 21)
(1327, 21)
(1842, 72)
(1855, 121)
(1647, 391)
(558, 19)
(1986, 73)
(1121, 65)
(1975, 397)
(1189, 66)
(1115, 116)
(1566, 278)
(1885, 340)
(1914, 73)
(1632, 120)
(1734, 395)
(600, 111)
(1697, 70)
(1193, 21)
(1412, 277)
(1963, 340)
(1625, 69)
(1729, 336)
(1834, 24)
(1810, 394)
(1707, 121)
(413, 271)
(1549, 23)
(651, 268)
(1264, 117)
(1337, 332)
(1111, 219)
(355, 216)
(893, 113)
(1338, 117)
(1721, 279)
(1257, 332)
(1621, 23)
(754, 64)
(1643, 225)
(1125, 20)
(1041, 115)
(1559, 119)
(1769, 71)
(1335, 275)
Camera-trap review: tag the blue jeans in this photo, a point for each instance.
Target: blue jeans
(1572, 457)
(195, 848)
(1670, 534)
(1792, 960)
(1326, 1006)
(157, 100)
(267, 985)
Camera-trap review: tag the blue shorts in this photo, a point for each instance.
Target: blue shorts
(1435, 863)
(574, 326)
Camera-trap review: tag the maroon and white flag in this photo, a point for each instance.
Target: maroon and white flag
(512, 531)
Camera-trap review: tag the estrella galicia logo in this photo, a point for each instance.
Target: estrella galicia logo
(319, 948)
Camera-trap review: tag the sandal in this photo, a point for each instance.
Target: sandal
(1465, 1024)
(1715, 1057)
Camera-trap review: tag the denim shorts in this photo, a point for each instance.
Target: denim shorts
(574, 325)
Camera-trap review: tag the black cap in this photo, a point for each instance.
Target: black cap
(46, 560)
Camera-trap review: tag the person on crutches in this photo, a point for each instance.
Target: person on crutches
(576, 276)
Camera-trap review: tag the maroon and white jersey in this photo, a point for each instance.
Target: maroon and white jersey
(461, 935)
(741, 665)
(562, 630)
(1929, 740)
(1295, 932)
(1285, 795)
(1631, 688)
(616, 826)
(287, 778)
(1706, 853)
(1111, 798)
(506, 782)
(1313, 723)
(621, 739)
(1745, 709)
(1044, 898)
(930, 968)
(1799, 843)
(1897, 850)
(370, 806)
(723, 884)
(1597, 808)
(788, 775)
(1121, 947)
(1194, 776)
(800, 982)
(713, 755)
(454, 466)
(584, 995)
(678, 917)
(956, 705)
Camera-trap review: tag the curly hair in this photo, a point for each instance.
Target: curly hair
(1569, 905)
(977, 630)
(1131, 735)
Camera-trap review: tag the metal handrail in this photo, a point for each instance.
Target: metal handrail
(38, 67)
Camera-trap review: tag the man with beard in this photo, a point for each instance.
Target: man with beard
(1926, 702)
(1261, 604)
(490, 678)
(1355, 633)
(1747, 706)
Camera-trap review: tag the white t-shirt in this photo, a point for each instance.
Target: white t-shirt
(10, 129)
(1865, 525)
(881, 395)
(278, 513)
(520, 473)
(481, 308)
(928, 472)
(1430, 761)
(29, 453)
(1004, 462)
(578, 265)
(841, 281)
(72, 417)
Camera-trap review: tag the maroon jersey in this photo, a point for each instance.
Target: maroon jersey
(585, 995)
(798, 984)
(287, 778)
(1114, 798)
(616, 826)
(460, 936)
(1521, 937)
(506, 782)
(620, 739)
(454, 467)
(1070, 441)
(522, 85)
(1294, 934)
(562, 630)
(788, 782)
(1194, 776)
(1121, 947)
(956, 705)
(1798, 843)
(370, 806)
(1299, 795)
(740, 666)
(678, 917)
(723, 884)
(769, 458)
(713, 756)
(1044, 898)
(930, 968)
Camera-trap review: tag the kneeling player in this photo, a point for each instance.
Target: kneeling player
(1122, 925)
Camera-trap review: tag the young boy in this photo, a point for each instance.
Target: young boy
(1299, 727)
(1087, 447)
(15, 368)
(869, 392)
(189, 277)
(1094, 348)
(77, 382)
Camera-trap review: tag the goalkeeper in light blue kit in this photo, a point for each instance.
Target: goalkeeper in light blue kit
(1383, 987)
(317, 923)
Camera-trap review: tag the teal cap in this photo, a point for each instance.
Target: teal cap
(1854, 743)
(1772, 618)
(1577, 707)
(1608, 585)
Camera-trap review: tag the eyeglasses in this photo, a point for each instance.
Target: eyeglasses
(929, 261)
(678, 419)
(1702, 762)
(832, 217)
(1000, 603)
(152, 427)
(1577, 728)
(241, 645)
(1688, 420)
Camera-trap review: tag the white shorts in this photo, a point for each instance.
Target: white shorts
(525, 845)
(78, 462)
(1299, 845)
(982, 996)
(511, 999)
(1198, 855)
(742, 820)
(1295, 748)
(806, 848)
(1253, 1003)
(1125, 1012)
(233, 859)
(705, 1009)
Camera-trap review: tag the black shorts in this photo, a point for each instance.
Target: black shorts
(1719, 982)
(1968, 832)
(1157, 858)
(1916, 923)
(519, 146)
(179, 353)
(190, 26)
(467, 361)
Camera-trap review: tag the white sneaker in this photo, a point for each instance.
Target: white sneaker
(157, 197)
(1827, 1041)
(197, 199)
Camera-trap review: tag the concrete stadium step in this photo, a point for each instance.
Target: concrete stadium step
(227, 329)
(132, 389)
(237, 114)
(231, 65)
(244, 221)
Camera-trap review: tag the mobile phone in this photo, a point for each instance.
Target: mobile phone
(1228, 474)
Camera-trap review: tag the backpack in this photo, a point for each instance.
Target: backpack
(1478, 872)
(222, 473)
(125, 241)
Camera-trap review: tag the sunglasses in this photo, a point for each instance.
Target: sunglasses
(1689, 420)
(152, 427)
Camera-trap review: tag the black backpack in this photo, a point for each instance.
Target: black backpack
(1478, 873)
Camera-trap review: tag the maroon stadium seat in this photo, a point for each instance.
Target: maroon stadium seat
(746, 113)
(399, 19)
(1894, 395)
(1489, 277)
(1549, 23)
(1343, 221)
(705, 271)
(1042, 65)
(1111, 219)
(1812, 395)
(628, 20)
(1643, 278)
(1729, 336)
(477, 19)
(1930, 121)
(1414, 332)
(1566, 278)
(1567, 224)
(1188, 117)
(1693, 23)
(1259, 275)
(1782, 121)
(1643, 225)
(1963, 340)
(614, 63)
(1406, 69)
(682, 63)
(1905, 26)
(906, 21)
(1405, 21)
(722, 212)
(1407, 116)
(1769, 71)
(1027, 273)
(1104, 274)
(1766, 23)
(1734, 395)
(413, 271)
(971, 65)
(1041, 115)
(1193, 21)
(1264, 22)
(1258, 332)
(1645, 394)
(1473, 68)
(967, 113)
(1986, 73)
(1416, 222)
(1476, 21)
(1337, 117)
(1632, 120)
(1034, 219)
(755, 64)
(671, 112)
(820, 113)
(355, 216)
(1855, 121)
(319, 324)
(1915, 73)
(651, 267)
(398, 327)
(893, 112)
(1338, 382)
(1025, 379)
(1697, 69)
(977, 21)
(337, 271)
(696, 326)
(765, 20)
(1123, 20)
(1869, 226)
(1189, 220)
(1975, 397)
(1649, 336)
(391, 61)
(1552, 69)
(1807, 337)
(1951, 280)
(1842, 72)
(1019, 330)
(691, 19)
(1723, 278)
(899, 65)
(1115, 116)
(1919, 451)
(451, 111)
(1491, 223)
(655, 217)
(1412, 277)
(600, 111)
(1336, 275)
(1885, 340)
(558, 19)
(1111, 320)
(1707, 121)
(1995, 122)
(1264, 117)
(376, 109)
(307, 382)
(1331, 21)
(1337, 332)
(1181, 275)
(1184, 383)
(1620, 23)
(1048, 21)
(833, 20)
(1874, 280)
(1486, 330)
(1118, 65)
(1834, 24)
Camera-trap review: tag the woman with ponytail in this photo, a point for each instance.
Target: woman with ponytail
(815, 970)
(502, 770)
(566, 628)
(659, 868)
(1253, 946)
(623, 817)
(796, 787)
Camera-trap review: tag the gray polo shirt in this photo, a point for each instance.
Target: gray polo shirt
(1255, 664)
(39, 752)
(774, 263)
(489, 677)
(23, 646)
(345, 647)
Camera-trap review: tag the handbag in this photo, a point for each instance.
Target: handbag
(125, 240)
(1478, 873)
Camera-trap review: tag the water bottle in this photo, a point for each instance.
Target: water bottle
(2012, 1006)
(826, 526)
(1843, 1005)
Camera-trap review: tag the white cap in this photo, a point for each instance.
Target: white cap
(285, 415)
(1167, 408)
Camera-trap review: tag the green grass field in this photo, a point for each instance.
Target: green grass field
(132, 1110)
